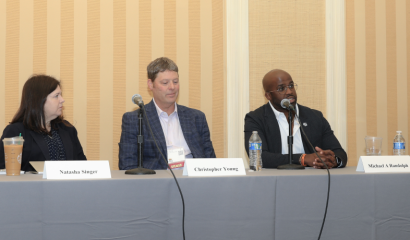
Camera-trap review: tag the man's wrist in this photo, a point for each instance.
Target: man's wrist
(338, 161)
(302, 160)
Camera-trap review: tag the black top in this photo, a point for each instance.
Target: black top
(55, 145)
(35, 146)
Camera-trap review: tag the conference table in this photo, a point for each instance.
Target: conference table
(271, 204)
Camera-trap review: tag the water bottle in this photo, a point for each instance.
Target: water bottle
(255, 152)
(399, 144)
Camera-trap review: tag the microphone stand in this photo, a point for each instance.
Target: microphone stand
(290, 148)
(140, 170)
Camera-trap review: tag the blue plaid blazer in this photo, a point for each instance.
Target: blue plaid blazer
(193, 125)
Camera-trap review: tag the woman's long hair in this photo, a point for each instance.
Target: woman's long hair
(34, 96)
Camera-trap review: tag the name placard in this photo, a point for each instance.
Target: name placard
(213, 167)
(76, 169)
(372, 164)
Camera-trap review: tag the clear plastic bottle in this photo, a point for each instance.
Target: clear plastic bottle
(399, 144)
(255, 152)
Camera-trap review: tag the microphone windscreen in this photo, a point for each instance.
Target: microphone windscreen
(136, 99)
(285, 103)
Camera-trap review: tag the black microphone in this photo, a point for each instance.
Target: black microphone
(137, 99)
(285, 103)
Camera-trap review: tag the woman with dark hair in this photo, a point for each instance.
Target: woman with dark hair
(40, 121)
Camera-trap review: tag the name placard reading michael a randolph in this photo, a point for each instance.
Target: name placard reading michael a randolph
(372, 164)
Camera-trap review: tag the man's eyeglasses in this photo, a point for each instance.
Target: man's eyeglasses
(284, 88)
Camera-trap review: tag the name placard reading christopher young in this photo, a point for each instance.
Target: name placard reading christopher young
(214, 167)
(372, 164)
(76, 169)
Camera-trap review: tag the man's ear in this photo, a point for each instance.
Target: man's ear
(267, 95)
(150, 84)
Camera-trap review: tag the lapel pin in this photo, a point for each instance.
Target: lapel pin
(305, 124)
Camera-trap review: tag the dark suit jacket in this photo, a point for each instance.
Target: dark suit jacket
(35, 147)
(193, 125)
(317, 129)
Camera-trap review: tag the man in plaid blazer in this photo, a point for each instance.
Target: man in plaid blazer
(172, 125)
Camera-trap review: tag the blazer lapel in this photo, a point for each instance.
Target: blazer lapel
(68, 147)
(38, 138)
(186, 127)
(304, 122)
(184, 121)
(155, 126)
(273, 131)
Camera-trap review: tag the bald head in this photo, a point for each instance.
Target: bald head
(271, 78)
(275, 83)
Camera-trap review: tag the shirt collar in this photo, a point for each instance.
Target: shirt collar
(159, 110)
(277, 113)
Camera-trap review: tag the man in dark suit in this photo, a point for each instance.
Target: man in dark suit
(174, 126)
(271, 122)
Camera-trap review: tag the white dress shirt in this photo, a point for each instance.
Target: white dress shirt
(172, 129)
(284, 132)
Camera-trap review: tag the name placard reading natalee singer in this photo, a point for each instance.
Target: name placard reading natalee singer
(213, 167)
(76, 169)
(372, 164)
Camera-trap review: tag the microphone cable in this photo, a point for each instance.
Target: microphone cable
(328, 174)
(166, 162)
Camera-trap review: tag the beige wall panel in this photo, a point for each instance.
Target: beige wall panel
(54, 37)
(408, 72)
(93, 79)
(3, 14)
(119, 75)
(66, 57)
(132, 53)
(106, 80)
(389, 107)
(40, 37)
(350, 83)
(371, 96)
(194, 54)
(182, 50)
(401, 44)
(360, 83)
(25, 44)
(259, 25)
(286, 35)
(100, 50)
(157, 25)
(170, 30)
(206, 59)
(218, 80)
(11, 87)
(80, 67)
(381, 73)
(225, 77)
(391, 90)
(145, 47)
